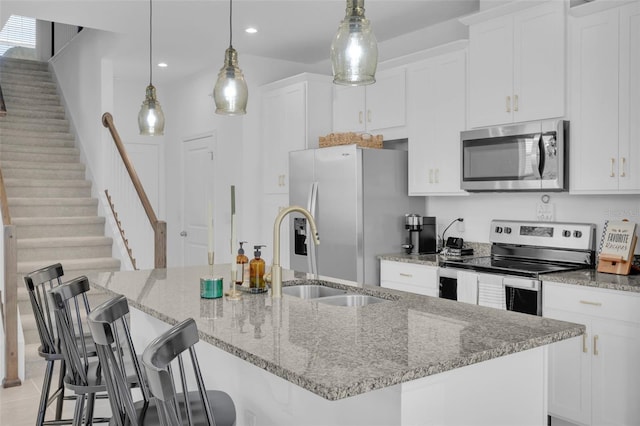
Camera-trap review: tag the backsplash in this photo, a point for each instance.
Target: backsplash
(480, 208)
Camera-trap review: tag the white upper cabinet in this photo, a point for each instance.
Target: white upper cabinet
(436, 111)
(605, 101)
(373, 108)
(295, 113)
(517, 66)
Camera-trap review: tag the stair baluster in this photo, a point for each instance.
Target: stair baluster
(120, 228)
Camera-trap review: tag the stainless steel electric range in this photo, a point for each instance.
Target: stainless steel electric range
(521, 252)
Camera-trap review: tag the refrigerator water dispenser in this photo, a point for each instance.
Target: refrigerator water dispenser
(300, 233)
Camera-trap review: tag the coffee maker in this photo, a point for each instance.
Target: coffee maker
(422, 234)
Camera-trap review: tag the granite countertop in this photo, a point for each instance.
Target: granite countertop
(584, 277)
(593, 278)
(334, 351)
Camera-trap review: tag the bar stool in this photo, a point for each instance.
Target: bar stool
(201, 407)
(119, 362)
(83, 376)
(38, 283)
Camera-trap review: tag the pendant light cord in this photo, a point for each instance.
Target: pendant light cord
(230, 23)
(150, 41)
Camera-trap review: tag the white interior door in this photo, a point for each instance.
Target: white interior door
(198, 165)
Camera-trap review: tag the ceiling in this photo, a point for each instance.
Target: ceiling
(191, 35)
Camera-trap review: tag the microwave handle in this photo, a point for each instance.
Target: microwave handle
(540, 155)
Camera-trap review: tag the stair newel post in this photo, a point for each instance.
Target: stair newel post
(11, 306)
(160, 253)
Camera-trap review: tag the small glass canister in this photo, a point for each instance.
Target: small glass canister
(211, 287)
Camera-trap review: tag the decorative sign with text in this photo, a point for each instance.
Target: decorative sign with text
(617, 240)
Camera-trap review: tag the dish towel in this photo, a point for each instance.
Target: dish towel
(467, 287)
(491, 292)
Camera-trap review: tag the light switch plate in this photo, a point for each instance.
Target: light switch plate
(545, 212)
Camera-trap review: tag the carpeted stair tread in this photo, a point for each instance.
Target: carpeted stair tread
(29, 120)
(56, 221)
(49, 111)
(38, 173)
(27, 201)
(41, 157)
(67, 183)
(23, 63)
(39, 149)
(16, 164)
(35, 134)
(90, 264)
(24, 243)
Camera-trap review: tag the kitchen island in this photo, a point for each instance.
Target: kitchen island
(407, 360)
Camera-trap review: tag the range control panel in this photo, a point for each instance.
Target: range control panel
(568, 235)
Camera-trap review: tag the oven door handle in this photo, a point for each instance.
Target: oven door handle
(522, 283)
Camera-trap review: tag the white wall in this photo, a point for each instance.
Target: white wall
(479, 209)
(85, 81)
(189, 111)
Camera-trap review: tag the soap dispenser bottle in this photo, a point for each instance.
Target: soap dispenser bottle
(256, 271)
(242, 261)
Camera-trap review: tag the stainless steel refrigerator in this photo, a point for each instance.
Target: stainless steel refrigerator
(358, 198)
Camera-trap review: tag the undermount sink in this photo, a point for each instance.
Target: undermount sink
(350, 300)
(311, 291)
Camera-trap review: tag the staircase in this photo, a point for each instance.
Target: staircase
(49, 199)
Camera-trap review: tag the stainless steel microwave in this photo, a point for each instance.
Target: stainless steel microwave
(529, 156)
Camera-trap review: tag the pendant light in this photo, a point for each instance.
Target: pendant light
(354, 51)
(151, 117)
(230, 92)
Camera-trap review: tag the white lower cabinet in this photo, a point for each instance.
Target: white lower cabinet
(410, 277)
(593, 379)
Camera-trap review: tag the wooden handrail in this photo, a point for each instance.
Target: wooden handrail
(10, 307)
(6, 217)
(3, 107)
(159, 227)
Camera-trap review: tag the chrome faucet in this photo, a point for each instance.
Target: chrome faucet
(276, 269)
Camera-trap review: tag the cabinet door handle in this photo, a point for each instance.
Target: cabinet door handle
(360, 117)
(515, 103)
(595, 345)
(613, 161)
(587, 302)
(368, 116)
(584, 343)
(622, 173)
(402, 274)
(508, 103)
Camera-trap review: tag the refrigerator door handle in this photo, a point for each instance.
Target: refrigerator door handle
(311, 248)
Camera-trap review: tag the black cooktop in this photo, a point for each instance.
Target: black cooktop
(510, 266)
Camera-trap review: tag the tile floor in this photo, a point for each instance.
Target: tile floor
(19, 405)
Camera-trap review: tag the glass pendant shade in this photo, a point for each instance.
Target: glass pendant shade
(230, 92)
(151, 117)
(354, 51)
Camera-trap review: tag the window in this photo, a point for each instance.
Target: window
(19, 31)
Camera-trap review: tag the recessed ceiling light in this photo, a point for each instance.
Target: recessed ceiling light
(251, 30)
(163, 64)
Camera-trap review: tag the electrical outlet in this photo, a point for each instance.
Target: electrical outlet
(460, 227)
(545, 212)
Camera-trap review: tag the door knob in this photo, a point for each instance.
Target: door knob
(183, 234)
